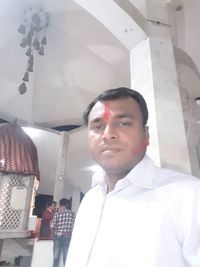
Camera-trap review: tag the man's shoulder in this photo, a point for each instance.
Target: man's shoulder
(167, 175)
(172, 177)
(64, 213)
(69, 212)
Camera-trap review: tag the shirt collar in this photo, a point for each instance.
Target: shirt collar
(142, 175)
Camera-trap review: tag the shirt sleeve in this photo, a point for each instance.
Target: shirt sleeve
(186, 216)
(48, 215)
(54, 221)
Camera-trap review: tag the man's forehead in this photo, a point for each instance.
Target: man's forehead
(107, 108)
(99, 109)
(99, 106)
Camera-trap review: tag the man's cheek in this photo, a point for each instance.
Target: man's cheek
(140, 148)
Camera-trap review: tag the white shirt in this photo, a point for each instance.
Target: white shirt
(150, 219)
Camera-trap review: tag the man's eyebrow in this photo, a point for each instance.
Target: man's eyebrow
(98, 119)
(118, 116)
(125, 115)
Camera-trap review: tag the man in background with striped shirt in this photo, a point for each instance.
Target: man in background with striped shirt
(62, 227)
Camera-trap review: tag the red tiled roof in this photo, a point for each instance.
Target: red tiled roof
(18, 153)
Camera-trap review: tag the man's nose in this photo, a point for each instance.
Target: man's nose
(109, 132)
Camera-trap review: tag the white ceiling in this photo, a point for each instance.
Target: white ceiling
(81, 58)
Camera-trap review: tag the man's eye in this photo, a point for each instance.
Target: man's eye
(124, 123)
(99, 127)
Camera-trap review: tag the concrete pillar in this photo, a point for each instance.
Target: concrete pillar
(63, 187)
(153, 74)
(76, 198)
(61, 179)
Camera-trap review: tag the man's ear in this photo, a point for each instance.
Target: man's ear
(147, 134)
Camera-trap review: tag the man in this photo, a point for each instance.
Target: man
(45, 227)
(137, 215)
(62, 226)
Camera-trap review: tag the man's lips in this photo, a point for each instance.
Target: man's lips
(110, 149)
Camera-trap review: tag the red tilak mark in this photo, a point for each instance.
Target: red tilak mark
(106, 113)
(141, 147)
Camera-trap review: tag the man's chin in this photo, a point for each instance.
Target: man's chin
(110, 167)
(116, 167)
(108, 163)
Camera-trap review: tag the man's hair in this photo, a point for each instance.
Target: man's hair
(118, 93)
(50, 203)
(63, 202)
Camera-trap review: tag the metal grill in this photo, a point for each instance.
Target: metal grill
(11, 220)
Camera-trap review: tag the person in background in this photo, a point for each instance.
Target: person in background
(136, 214)
(45, 227)
(62, 226)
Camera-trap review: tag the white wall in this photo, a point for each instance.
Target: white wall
(79, 160)
(189, 83)
(47, 144)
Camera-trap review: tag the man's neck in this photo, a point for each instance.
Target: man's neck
(112, 177)
(111, 184)
(111, 180)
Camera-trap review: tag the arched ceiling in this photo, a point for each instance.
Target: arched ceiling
(87, 51)
(81, 58)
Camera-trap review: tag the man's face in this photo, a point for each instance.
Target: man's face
(53, 206)
(117, 137)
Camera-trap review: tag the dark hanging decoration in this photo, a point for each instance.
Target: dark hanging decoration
(22, 88)
(26, 77)
(44, 40)
(29, 52)
(31, 60)
(23, 43)
(22, 29)
(41, 52)
(30, 68)
(36, 44)
(34, 39)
